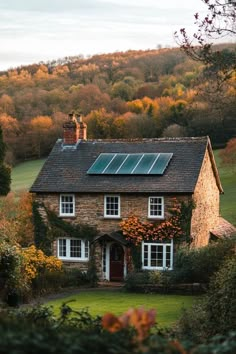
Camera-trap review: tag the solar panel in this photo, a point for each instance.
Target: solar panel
(115, 164)
(160, 164)
(130, 164)
(144, 165)
(100, 164)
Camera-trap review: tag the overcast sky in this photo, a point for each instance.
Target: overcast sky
(35, 30)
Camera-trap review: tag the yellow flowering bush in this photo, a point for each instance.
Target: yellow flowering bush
(36, 262)
(28, 272)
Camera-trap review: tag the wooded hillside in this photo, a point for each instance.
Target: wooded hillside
(122, 95)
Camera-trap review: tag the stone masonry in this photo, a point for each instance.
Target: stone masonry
(205, 216)
(89, 208)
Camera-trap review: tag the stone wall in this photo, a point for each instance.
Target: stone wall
(89, 208)
(207, 202)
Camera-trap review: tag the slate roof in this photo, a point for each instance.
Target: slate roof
(223, 229)
(113, 236)
(65, 169)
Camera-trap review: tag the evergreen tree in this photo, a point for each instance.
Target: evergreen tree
(5, 171)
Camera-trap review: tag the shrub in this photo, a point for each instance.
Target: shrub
(92, 275)
(36, 330)
(140, 281)
(36, 262)
(134, 279)
(15, 283)
(47, 282)
(215, 314)
(221, 298)
(51, 281)
(192, 325)
(20, 267)
(218, 345)
(198, 265)
(73, 277)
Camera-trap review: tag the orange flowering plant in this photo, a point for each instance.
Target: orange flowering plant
(136, 231)
(140, 319)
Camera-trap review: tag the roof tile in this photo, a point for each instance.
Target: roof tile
(65, 170)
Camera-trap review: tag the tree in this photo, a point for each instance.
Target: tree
(16, 224)
(10, 130)
(228, 155)
(5, 171)
(218, 23)
(39, 128)
(6, 104)
(122, 90)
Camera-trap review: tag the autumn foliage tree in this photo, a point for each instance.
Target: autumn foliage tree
(5, 171)
(228, 155)
(16, 226)
(40, 126)
(133, 94)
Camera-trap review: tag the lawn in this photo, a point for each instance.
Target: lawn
(24, 174)
(168, 307)
(228, 199)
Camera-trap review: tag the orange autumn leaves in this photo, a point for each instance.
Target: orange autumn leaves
(136, 231)
(140, 319)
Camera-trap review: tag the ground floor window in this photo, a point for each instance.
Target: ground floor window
(73, 249)
(157, 255)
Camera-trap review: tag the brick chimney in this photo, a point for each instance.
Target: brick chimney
(74, 129)
(82, 128)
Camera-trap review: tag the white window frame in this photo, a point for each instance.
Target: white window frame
(161, 216)
(105, 206)
(149, 244)
(61, 202)
(68, 249)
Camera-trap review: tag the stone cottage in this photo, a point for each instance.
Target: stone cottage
(101, 182)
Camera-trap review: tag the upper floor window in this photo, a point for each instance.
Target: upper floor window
(112, 206)
(73, 249)
(67, 205)
(156, 207)
(158, 255)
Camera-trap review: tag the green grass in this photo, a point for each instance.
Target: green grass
(228, 199)
(168, 307)
(24, 174)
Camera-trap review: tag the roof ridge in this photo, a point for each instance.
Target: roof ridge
(143, 140)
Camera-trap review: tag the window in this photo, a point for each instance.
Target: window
(112, 206)
(156, 207)
(157, 255)
(67, 205)
(73, 249)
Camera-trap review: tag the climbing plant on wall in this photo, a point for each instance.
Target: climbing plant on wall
(49, 227)
(177, 226)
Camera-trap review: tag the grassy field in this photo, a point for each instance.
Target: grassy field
(228, 199)
(24, 174)
(168, 307)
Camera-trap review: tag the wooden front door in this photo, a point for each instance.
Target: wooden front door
(116, 262)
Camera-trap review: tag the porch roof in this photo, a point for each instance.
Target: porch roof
(113, 236)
